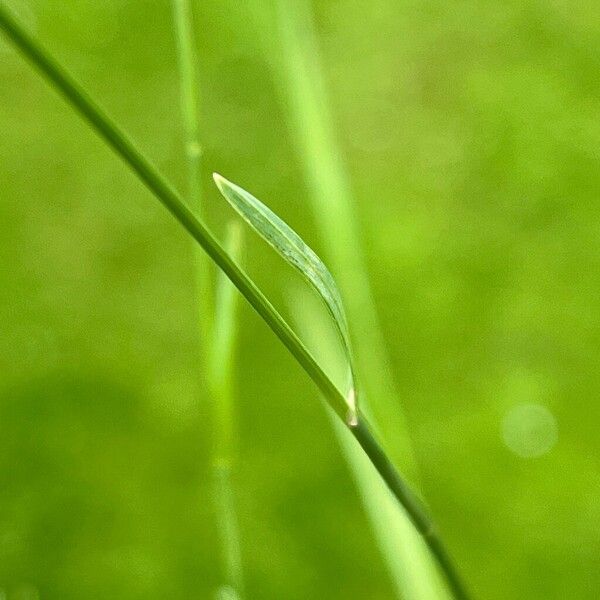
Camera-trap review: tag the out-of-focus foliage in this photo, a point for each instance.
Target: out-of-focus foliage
(472, 134)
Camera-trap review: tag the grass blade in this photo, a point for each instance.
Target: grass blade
(221, 377)
(108, 130)
(188, 85)
(391, 528)
(304, 90)
(289, 245)
(217, 339)
(225, 328)
(393, 531)
(302, 82)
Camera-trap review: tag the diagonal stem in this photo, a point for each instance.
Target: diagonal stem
(413, 506)
(165, 193)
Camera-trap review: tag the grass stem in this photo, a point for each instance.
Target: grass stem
(108, 130)
(413, 506)
(217, 333)
(221, 377)
(188, 84)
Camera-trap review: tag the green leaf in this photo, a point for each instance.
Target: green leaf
(288, 244)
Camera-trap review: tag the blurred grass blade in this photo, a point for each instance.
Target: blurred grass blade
(225, 328)
(226, 593)
(394, 533)
(218, 333)
(221, 377)
(301, 75)
(289, 245)
(188, 90)
(392, 530)
(188, 95)
(302, 82)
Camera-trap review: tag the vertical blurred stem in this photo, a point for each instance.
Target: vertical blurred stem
(188, 84)
(217, 339)
(220, 375)
(303, 85)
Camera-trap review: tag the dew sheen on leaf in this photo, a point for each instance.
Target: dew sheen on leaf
(289, 245)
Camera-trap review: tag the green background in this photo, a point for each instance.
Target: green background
(471, 131)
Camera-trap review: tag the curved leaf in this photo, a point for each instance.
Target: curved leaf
(288, 244)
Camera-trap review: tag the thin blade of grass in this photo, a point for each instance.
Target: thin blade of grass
(299, 71)
(221, 371)
(225, 330)
(187, 63)
(217, 335)
(111, 133)
(303, 86)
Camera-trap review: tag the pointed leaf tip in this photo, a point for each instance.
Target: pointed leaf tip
(218, 179)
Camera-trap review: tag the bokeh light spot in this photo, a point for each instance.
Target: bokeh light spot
(529, 430)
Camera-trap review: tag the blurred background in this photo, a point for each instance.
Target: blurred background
(471, 135)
